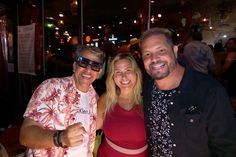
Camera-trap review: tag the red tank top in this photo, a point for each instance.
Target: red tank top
(125, 129)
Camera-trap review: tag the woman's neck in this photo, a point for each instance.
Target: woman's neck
(126, 101)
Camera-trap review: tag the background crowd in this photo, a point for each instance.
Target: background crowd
(218, 62)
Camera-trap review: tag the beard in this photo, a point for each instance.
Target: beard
(162, 73)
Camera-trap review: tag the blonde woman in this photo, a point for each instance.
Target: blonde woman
(120, 110)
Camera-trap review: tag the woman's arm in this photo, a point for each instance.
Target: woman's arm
(101, 110)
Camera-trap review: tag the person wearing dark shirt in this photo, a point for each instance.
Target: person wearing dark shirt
(187, 113)
(228, 70)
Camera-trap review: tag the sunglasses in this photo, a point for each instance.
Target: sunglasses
(84, 63)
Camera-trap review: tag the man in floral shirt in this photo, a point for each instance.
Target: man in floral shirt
(61, 114)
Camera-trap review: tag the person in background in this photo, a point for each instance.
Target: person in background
(135, 51)
(134, 48)
(186, 112)
(218, 47)
(228, 69)
(60, 119)
(110, 50)
(211, 47)
(120, 110)
(220, 55)
(199, 55)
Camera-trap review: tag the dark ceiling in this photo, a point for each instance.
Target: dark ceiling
(102, 12)
(95, 11)
(99, 12)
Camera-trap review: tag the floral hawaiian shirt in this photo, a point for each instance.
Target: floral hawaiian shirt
(56, 104)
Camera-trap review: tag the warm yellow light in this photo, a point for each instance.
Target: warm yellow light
(204, 19)
(61, 15)
(152, 19)
(95, 39)
(56, 33)
(61, 22)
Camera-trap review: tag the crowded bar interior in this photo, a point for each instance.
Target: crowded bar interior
(37, 38)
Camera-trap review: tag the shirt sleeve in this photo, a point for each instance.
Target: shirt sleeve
(42, 106)
(221, 124)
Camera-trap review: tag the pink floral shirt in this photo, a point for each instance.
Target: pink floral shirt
(56, 104)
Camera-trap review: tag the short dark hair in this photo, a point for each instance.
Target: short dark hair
(197, 36)
(233, 38)
(196, 33)
(157, 31)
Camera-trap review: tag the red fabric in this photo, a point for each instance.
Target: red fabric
(125, 129)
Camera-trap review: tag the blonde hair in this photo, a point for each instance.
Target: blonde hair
(113, 90)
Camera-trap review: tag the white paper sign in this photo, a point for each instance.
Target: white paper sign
(26, 49)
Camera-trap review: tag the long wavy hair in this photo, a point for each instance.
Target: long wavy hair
(113, 91)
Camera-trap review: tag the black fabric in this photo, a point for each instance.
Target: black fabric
(202, 117)
(230, 77)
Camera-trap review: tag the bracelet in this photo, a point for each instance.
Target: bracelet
(55, 141)
(57, 138)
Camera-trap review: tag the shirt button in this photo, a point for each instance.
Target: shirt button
(174, 145)
(191, 120)
(172, 124)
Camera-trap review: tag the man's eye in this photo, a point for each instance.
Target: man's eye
(162, 51)
(146, 55)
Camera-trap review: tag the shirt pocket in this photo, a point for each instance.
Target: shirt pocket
(194, 126)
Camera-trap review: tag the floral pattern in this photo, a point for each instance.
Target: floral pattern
(55, 104)
(159, 123)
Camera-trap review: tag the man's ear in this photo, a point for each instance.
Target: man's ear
(175, 49)
(74, 66)
(102, 71)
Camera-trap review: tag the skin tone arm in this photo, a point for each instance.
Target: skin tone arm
(101, 111)
(33, 135)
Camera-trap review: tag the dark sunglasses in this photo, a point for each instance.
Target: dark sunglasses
(84, 63)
